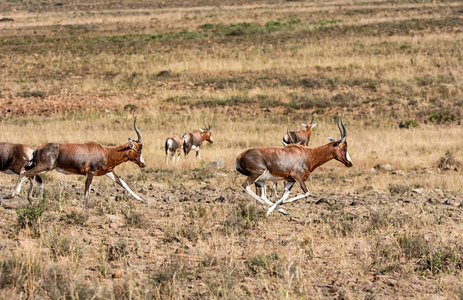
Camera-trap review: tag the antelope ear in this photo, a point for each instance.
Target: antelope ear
(131, 145)
(202, 130)
(314, 124)
(331, 139)
(284, 144)
(305, 125)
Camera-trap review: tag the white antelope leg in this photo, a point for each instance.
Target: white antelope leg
(16, 189)
(270, 203)
(121, 182)
(285, 196)
(254, 195)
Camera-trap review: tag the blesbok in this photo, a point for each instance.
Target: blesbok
(174, 146)
(14, 158)
(89, 159)
(292, 163)
(194, 140)
(303, 136)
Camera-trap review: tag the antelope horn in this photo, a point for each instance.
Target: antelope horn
(343, 128)
(290, 137)
(296, 137)
(137, 131)
(311, 122)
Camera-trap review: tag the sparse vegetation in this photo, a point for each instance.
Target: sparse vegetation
(252, 70)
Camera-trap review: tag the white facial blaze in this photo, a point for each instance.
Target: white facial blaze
(141, 159)
(211, 138)
(348, 157)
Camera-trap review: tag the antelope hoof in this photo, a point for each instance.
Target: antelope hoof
(284, 212)
(270, 210)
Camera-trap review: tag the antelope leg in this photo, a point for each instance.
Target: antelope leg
(288, 186)
(120, 182)
(270, 203)
(253, 195)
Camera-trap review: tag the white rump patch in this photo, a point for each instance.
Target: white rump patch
(9, 172)
(62, 171)
(266, 176)
(195, 148)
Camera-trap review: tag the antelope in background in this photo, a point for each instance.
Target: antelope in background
(302, 136)
(292, 163)
(194, 140)
(14, 158)
(173, 146)
(89, 159)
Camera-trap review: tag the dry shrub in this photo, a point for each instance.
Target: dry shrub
(415, 252)
(268, 263)
(75, 217)
(448, 162)
(135, 219)
(29, 217)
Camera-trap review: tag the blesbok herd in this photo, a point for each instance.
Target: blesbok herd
(292, 163)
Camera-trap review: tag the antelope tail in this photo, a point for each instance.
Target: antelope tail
(185, 145)
(238, 168)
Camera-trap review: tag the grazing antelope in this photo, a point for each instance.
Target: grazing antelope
(89, 159)
(303, 136)
(292, 163)
(193, 140)
(14, 158)
(173, 146)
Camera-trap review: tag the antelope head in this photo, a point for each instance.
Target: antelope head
(207, 133)
(135, 148)
(340, 146)
(308, 125)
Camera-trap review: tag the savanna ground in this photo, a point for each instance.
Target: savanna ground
(74, 71)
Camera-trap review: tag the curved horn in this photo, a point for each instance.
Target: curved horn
(339, 126)
(137, 131)
(343, 128)
(290, 137)
(311, 122)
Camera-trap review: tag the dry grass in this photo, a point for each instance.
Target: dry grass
(81, 70)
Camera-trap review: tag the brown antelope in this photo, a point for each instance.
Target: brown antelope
(89, 159)
(14, 159)
(303, 136)
(173, 146)
(292, 163)
(193, 140)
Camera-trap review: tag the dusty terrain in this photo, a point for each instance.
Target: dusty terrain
(390, 227)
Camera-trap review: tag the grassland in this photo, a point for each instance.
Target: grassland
(82, 70)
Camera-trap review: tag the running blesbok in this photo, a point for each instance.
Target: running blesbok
(194, 140)
(292, 163)
(14, 158)
(303, 136)
(89, 159)
(174, 146)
